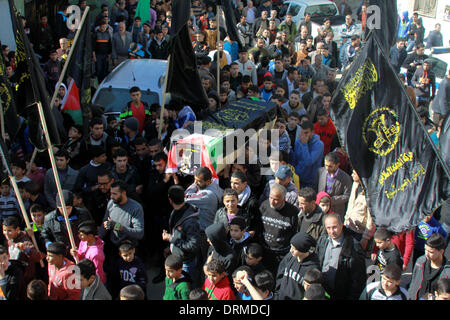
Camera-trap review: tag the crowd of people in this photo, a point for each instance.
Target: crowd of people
(298, 228)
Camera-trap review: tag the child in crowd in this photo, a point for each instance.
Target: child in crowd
(313, 276)
(323, 200)
(8, 202)
(219, 248)
(129, 269)
(217, 285)
(37, 290)
(19, 169)
(198, 294)
(239, 237)
(11, 277)
(178, 282)
(92, 287)
(20, 247)
(253, 257)
(424, 230)
(315, 292)
(132, 292)
(90, 247)
(240, 289)
(263, 287)
(387, 253)
(388, 288)
(442, 291)
(60, 274)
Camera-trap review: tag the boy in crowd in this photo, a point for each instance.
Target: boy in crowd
(178, 282)
(8, 202)
(253, 257)
(323, 200)
(132, 292)
(388, 252)
(241, 290)
(92, 287)
(217, 285)
(264, 284)
(129, 269)
(11, 277)
(239, 237)
(388, 288)
(61, 285)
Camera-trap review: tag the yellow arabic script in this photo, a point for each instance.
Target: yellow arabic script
(398, 164)
(360, 83)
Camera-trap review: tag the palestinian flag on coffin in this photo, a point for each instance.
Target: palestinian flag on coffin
(78, 76)
(192, 152)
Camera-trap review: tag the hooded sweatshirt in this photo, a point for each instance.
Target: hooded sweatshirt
(289, 282)
(404, 25)
(95, 254)
(220, 248)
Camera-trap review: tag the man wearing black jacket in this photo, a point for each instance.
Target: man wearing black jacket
(292, 269)
(184, 233)
(413, 60)
(342, 261)
(424, 82)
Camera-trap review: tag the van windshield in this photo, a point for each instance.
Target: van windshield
(115, 99)
(321, 10)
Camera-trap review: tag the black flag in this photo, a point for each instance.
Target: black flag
(386, 142)
(31, 87)
(11, 119)
(387, 30)
(183, 79)
(6, 164)
(230, 21)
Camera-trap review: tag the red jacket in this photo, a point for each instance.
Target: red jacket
(220, 291)
(61, 282)
(326, 134)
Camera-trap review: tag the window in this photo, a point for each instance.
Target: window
(426, 7)
(294, 9)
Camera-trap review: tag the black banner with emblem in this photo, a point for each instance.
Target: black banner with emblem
(30, 88)
(386, 142)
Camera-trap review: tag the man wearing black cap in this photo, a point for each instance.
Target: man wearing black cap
(52, 70)
(283, 177)
(54, 228)
(289, 279)
(159, 48)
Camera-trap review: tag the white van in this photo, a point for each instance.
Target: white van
(147, 74)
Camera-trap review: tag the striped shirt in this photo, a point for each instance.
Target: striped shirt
(8, 206)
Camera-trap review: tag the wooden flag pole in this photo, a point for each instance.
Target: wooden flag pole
(161, 115)
(55, 174)
(66, 64)
(24, 213)
(33, 157)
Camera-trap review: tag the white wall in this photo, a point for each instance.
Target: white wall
(429, 23)
(6, 34)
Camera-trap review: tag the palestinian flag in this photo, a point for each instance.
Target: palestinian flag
(78, 76)
(192, 152)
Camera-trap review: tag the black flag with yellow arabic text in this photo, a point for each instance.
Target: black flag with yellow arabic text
(385, 141)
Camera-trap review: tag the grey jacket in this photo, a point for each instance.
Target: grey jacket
(340, 191)
(50, 189)
(119, 48)
(96, 291)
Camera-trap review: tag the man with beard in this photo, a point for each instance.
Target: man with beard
(123, 220)
(101, 196)
(279, 223)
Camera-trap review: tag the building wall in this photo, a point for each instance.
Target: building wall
(429, 23)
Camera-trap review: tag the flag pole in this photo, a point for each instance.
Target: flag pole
(2, 121)
(33, 157)
(55, 174)
(66, 63)
(218, 54)
(161, 115)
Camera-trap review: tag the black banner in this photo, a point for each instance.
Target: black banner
(183, 80)
(242, 114)
(11, 119)
(387, 31)
(230, 21)
(31, 86)
(386, 142)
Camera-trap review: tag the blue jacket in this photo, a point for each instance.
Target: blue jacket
(307, 159)
(403, 25)
(425, 230)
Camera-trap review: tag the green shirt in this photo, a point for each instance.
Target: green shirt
(178, 290)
